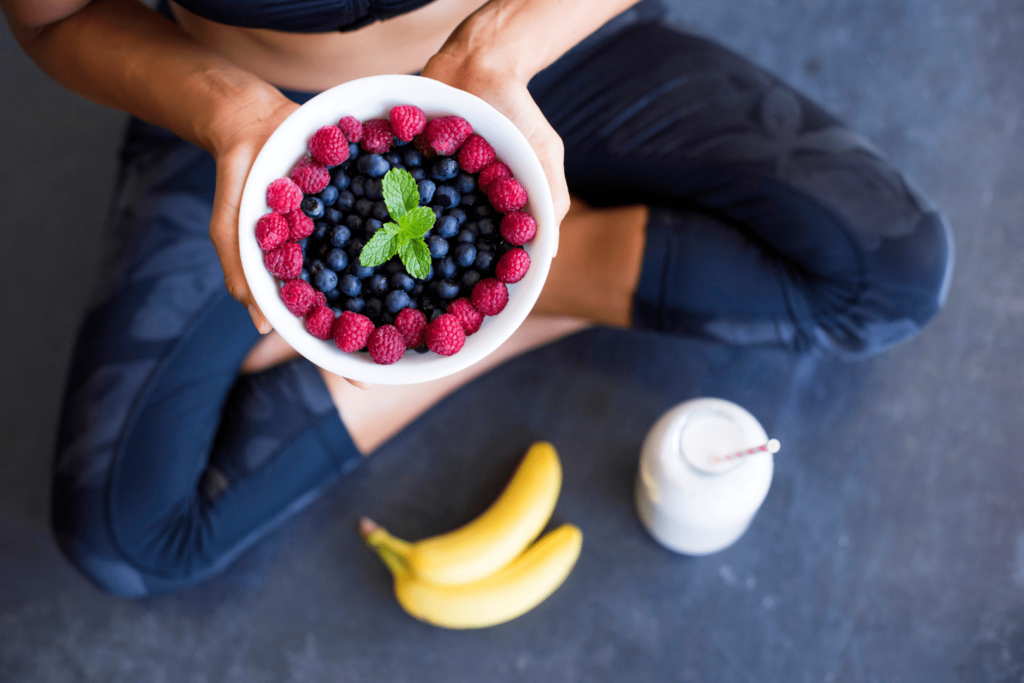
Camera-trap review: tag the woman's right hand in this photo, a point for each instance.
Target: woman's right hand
(237, 134)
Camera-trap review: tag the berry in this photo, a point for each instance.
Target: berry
(374, 189)
(490, 296)
(377, 136)
(299, 225)
(329, 146)
(411, 323)
(283, 195)
(447, 289)
(326, 280)
(320, 322)
(355, 304)
(396, 300)
(373, 307)
(445, 336)
(386, 345)
(350, 285)
(470, 318)
(380, 211)
(458, 214)
(518, 228)
(329, 195)
(446, 197)
(346, 200)
(337, 260)
(339, 235)
(313, 207)
(446, 134)
(489, 174)
(426, 189)
(444, 169)
(469, 279)
(364, 206)
(423, 147)
(373, 165)
(372, 225)
(412, 157)
(319, 299)
(438, 246)
(271, 231)
(507, 195)
(446, 267)
(340, 180)
(447, 226)
(393, 158)
(352, 129)
(485, 226)
(297, 297)
(512, 266)
(403, 282)
(378, 283)
(285, 262)
(466, 236)
(476, 154)
(311, 176)
(465, 183)
(464, 255)
(484, 260)
(351, 331)
(407, 121)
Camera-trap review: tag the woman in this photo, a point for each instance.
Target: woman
(709, 199)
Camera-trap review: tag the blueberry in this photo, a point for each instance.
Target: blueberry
(446, 289)
(357, 187)
(483, 210)
(353, 151)
(436, 313)
(378, 283)
(336, 311)
(364, 207)
(319, 251)
(447, 226)
(468, 199)
(304, 275)
(350, 285)
(418, 174)
(402, 281)
(469, 279)
(484, 260)
(332, 216)
(346, 200)
(504, 247)
(464, 183)
(485, 227)
(326, 280)
(458, 214)
(412, 157)
(438, 246)
(372, 225)
(354, 222)
(340, 180)
(315, 266)
(430, 274)
(446, 267)
(380, 211)
(394, 266)
(422, 348)
(465, 254)
(416, 290)
(360, 271)
(374, 189)
(337, 260)
(396, 301)
(354, 247)
(444, 169)
(387, 318)
(427, 305)
(373, 165)
(313, 207)
(466, 236)
(398, 166)
(373, 308)
(399, 142)
(393, 158)
(426, 188)
(333, 294)
(446, 197)
(340, 235)
(320, 231)
(329, 195)
(438, 212)
(355, 304)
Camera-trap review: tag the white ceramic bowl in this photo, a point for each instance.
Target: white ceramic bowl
(369, 98)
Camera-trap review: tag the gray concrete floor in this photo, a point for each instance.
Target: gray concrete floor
(891, 547)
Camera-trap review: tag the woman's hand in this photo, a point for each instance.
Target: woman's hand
(506, 91)
(239, 134)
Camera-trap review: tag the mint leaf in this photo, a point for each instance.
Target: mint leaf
(383, 245)
(415, 223)
(416, 258)
(400, 192)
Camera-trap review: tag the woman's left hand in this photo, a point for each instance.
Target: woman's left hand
(506, 92)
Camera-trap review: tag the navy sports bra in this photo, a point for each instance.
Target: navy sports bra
(299, 16)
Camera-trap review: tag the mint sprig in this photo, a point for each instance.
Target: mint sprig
(405, 236)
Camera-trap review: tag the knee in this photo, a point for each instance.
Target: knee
(92, 554)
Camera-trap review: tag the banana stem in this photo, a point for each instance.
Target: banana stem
(392, 550)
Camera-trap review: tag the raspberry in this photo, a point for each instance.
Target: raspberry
(446, 134)
(283, 195)
(352, 129)
(299, 225)
(518, 228)
(476, 153)
(386, 345)
(351, 331)
(377, 136)
(445, 335)
(285, 262)
(271, 231)
(407, 121)
(495, 171)
(319, 298)
(490, 296)
(319, 322)
(420, 143)
(470, 318)
(512, 266)
(329, 146)
(311, 176)
(411, 323)
(507, 195)
(297, 296)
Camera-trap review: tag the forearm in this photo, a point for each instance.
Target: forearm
(121, 54)
(523, 37)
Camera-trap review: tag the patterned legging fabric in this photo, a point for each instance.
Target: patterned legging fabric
(771, 223)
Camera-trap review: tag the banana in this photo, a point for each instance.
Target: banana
(505, 595)
(499, 534)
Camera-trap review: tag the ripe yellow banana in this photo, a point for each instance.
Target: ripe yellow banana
(500, 533)
(505, 595)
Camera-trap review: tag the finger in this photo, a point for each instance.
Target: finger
(232, 170)
(357, 384)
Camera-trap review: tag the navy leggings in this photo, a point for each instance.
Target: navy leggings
(771, 223)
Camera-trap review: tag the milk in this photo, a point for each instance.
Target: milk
(689, 497)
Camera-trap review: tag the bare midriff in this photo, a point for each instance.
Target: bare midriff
(313, 62)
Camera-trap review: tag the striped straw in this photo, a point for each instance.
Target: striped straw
(772, 446)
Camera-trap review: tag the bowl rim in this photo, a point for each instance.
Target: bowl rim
(275, 160)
